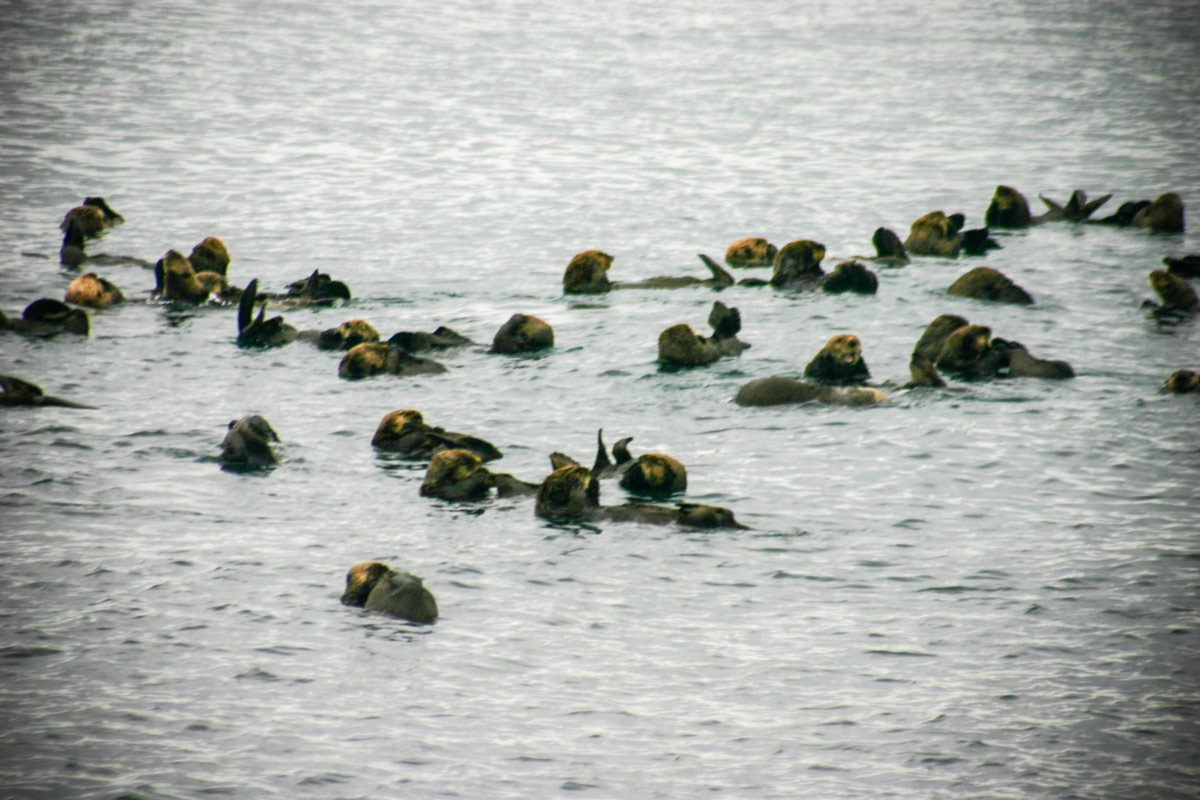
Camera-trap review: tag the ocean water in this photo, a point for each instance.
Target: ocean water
(989, 591)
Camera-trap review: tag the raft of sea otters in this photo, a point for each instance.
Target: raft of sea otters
(571, 492)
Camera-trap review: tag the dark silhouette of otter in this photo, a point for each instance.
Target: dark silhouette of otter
(523, 333)
(839, 362)
(1008, 209)
(93, 217)
(798, 266)
(572, 494)
(210, 255)
(889, 250)
(985, 283)
(753, 251)
(681, 346)
(587, 273)
(258, 331)
(1182, 381)
(47, 317)
(1164, 215)
(93, 291)
(1124, 214)
(967, 351)
(20, 392)
(936, 234)
(247, 445)
(405, 431)
(375, 586)
(850, 276)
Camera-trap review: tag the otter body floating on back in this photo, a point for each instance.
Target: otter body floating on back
(459, 474)
(523, 333)
(375, 586)
(1164, 215)
(405, 431)
(587, 273)
(19, 392)
(779, 390)
(47, 317)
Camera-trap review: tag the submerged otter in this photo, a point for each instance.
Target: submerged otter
(572, 494)
(1182, 381)
(839, 362)
(679, 345)
(779, 390)
(375, 586)
(93, 291)
(92, 217)
(985, 283)
(405, 431)
(523, 333)
(889, 250)
(587, 274)
(19, 392)
(47, 317)
(247, 445)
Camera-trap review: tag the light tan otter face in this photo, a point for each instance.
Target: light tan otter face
(844, 348)
(361, 579)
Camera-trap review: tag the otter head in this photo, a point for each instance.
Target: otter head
(456, 475)
(569, 492)
(92, 290)
(347, 335)
(753, 251)
(681, 345)
(850, 276)
(1164, 215)
(57, 314)
(364, 360)
(360, 580)
(522, 334)
(376, 586)
(1176, 293)
(210, 255)
(964, 349)
(697, 515)
(839, 362)
(887, 244)
(1182, 381)
(1008, 209)
(655, 473)
(398, 428)
(586, 273)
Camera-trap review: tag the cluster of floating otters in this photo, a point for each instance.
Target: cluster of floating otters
(571, 493)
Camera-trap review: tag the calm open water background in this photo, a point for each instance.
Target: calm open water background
(989, 592)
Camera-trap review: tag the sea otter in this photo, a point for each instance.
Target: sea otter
(176, 280)
(572, 494)
(210, 255)
(889, 250)
(679, 345)
(1164, 215)
(968, 351)
(345, 336)
(259, 331)
(375, 586)
(654, 473)
(47, 317)
(779, 390)
(371, 358)
(442, 338)
(985, 283)
(523, 333)
(93, 291)
(317, 289)
(1182, 381)
(405, 431)
(587, 274)
(19, 392)
(936, 234)
(850, 276)
(1177, 294)
(459, 474)
(247, 445)
(92, 217)
(753, 251)
(798, 264)
(1185, 266)
(1008, 209)
(839, 362)
(1124, 214)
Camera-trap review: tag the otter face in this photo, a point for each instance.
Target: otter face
(522, 334)
(839, 361)
(586, 273)
(568, 492)
(753, 251)
(94, 291)
(363, 360)
(1164, 215)
(655, 473)
(456, 475)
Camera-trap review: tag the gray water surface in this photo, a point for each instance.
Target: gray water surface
(983, 592)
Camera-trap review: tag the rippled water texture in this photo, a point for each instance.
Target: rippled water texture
(989, 591)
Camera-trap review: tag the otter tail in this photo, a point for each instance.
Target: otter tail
(721, 276)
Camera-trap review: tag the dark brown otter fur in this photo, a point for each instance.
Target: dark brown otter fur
(375, 586)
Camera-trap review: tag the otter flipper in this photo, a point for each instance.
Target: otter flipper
(602, 462)
(721, 276)
(246, 305)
